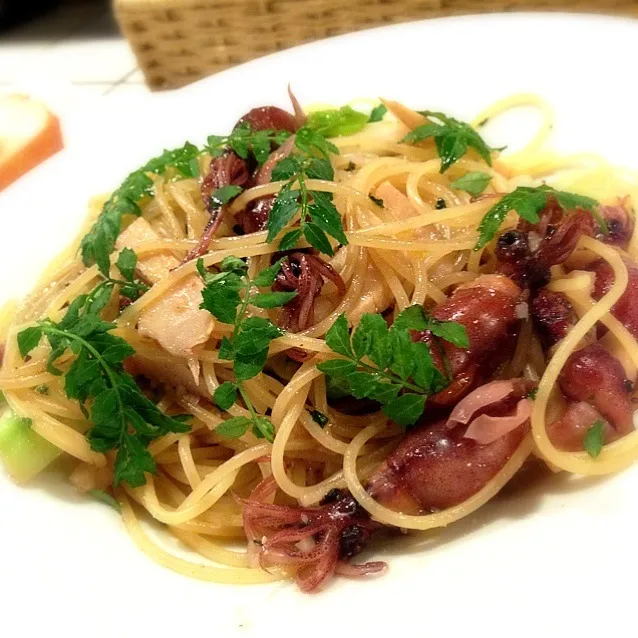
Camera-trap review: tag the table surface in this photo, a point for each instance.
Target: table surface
(70, 58)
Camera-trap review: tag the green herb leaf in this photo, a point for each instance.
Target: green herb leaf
(225, 395)
(317, 238)
(376, 200)
(223, 195)
(244, 140)
(325, 215)
(234, 427)
(378, 113)
(290, 239)
(337, 367)
(473, 183)
(528, 202)
(319, 417)
(311, 142)
(405, 373)
(123, 419)
(272, 299)
(338, 337)
(221, 296)
(231, 264)
(452, 138)
(594, 439)
(99, 243)
(268, 275)
(228, 294)
(337, 122)
(126, 262)
(406, 409)
(28, 339)
(263, 429)
(283, 210)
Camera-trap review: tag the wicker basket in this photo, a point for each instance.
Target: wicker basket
(180, 41)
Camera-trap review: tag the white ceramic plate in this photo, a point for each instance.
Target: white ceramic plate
(557, 559)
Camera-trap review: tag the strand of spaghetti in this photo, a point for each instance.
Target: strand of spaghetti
(188, 463)
(470, 211)
(521, 99)
(467, 242)
(196, 217)
(574, 282)
(209, 529)
(621, 453)
(234, 464)
(427, 521)
(61, 407)
(220, 481)
(321, 436)
(55, 432)
(285, 415)
(161, 198)
(23, 381)
(73, 290)
(622, 336)
(227, 575)
(210, 550)
(392, 281)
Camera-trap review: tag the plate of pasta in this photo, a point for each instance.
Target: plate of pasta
(369, 333)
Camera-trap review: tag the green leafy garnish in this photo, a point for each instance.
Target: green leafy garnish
(386, 365)
(318, 214)
(337, 122)
(122, 417)
(528, 202)
(244, 140)
(224, 195)
(473, 183)
(452, 138)
(593, 441)
(227, 296)
(319, 417)
(377, 113)
(42, 389)
(98, 244)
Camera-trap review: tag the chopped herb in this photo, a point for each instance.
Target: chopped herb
(473, 183)
(318, 215)
(452, 138)
(122, 417)
(528, 202)
(337, 122)
(227, 296)
(440, 204)
(532, 394)
(378, 113)
(351, 167)
(99, 243)
(244, 140)
(386, 365)
(223, 195)
(319, 417)
(105, 497)
(42, 389)
(483, 122)
(593, 441)
(376, 200)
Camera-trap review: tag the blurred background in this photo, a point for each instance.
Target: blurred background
(66, 54)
